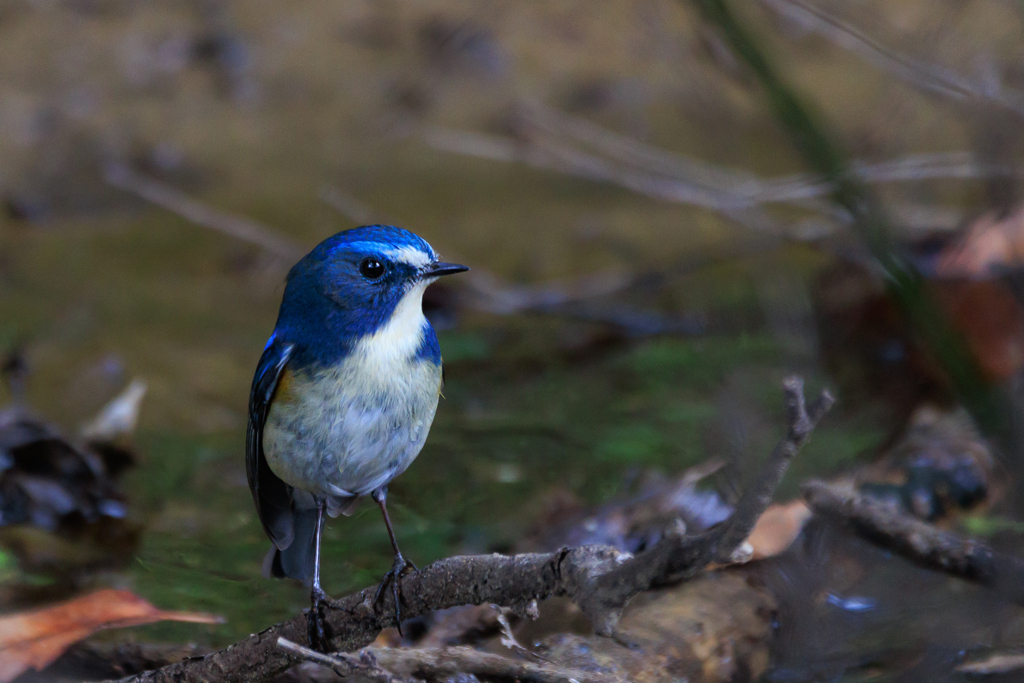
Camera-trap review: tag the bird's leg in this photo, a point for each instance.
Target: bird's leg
(317, 633)
(398, 567)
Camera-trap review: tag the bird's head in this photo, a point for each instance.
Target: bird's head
(355, 281)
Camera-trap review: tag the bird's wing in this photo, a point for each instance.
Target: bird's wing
(273, 497)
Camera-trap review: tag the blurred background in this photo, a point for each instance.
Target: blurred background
(651, 255)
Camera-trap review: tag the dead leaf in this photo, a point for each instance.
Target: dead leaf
(117, 419)
(987, 314)
(989, 244)
(34, 639)
(777, 528)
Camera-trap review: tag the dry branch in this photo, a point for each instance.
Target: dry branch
(573, 146)
(888, 525)
(365, 666)
(919, 73)
(164, 195)
(441, 662)
(599, 579)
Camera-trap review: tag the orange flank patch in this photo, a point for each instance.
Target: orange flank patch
(285, 385)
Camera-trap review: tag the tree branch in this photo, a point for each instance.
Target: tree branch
(599, 579)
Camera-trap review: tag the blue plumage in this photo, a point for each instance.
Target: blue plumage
(346, 389)
(328, 304)
(429, 348)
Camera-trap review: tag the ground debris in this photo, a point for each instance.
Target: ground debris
(35, 639)
(98, 661)
(636, 523)
(58, 484)
(939, 465)
(715, 628)
(600, 581)
(52, 484)
(461, 626)
(887, 525)
(61, 509)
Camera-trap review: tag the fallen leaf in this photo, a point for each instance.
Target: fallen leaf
(989, 244)
(118, 418)
(34, 639)
(777, 528)
(987, 314)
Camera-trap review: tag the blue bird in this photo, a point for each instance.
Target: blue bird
(344, 394)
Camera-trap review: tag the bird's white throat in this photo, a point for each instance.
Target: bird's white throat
(400, 337)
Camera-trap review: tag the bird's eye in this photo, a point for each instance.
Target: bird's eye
(371, 268)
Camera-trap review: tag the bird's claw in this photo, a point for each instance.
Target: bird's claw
(394, 578)
(317, 628)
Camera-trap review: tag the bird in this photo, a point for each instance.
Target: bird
(343, 396)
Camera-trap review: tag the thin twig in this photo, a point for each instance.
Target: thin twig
(508, 639)
(549, 154)
(364, 666)
(676, 556)
(599, 579)
(665, 176)
(437, 663)
(917, 167)
(801, 420)
(923, 75)
(164, 195)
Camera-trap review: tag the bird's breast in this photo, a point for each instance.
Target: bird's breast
(350, 427)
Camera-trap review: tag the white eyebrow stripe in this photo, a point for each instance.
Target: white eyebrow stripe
(409, 255)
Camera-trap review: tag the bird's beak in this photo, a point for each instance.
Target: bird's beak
(439, 269)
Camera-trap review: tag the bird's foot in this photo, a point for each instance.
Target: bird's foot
(316, 624)
(394, 579)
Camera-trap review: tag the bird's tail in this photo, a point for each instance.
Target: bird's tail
(297, 560)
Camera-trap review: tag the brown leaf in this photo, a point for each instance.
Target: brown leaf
(777, 528)
(34, 639)
(990, 243)
(987, 314)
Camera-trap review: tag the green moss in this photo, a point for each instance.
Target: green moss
(699, 362)
(632, 443)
